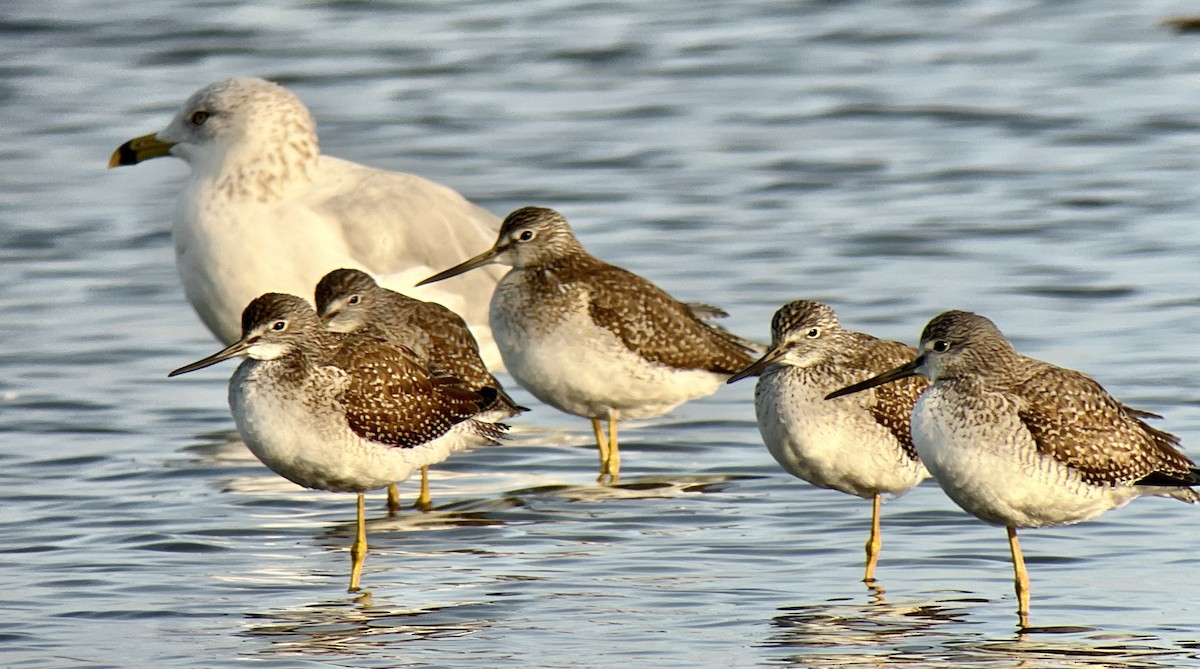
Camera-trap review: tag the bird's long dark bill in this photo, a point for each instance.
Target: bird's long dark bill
(755, 368)
(480, 260)
(234, 350)
(907, 369)
(138, 149)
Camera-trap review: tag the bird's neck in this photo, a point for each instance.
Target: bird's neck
(248, 174)
(303, 359)
(566, 265)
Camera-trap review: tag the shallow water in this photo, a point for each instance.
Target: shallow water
(1035, 162)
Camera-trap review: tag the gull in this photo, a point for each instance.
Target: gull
(263, 211)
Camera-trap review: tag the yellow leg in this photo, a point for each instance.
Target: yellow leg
(358, 549)
(614, 452)
(424, 502)
(602, 444)
(1021, 578)
(875, 541)
(393, 501)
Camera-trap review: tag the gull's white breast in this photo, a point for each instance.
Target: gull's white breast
(398, 227)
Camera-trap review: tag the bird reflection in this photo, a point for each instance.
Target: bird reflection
(362, 625)
(937, 635)
(875, 592)
(848, 625)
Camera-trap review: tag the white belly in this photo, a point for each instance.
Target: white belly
(311, 444)
(565, 360)
(833, 444)
(995, 472)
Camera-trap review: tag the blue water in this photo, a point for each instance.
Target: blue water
(1035, 162)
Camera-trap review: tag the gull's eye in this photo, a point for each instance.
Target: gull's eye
(278, 325)
(525, 236)
(941, 346)
(199, 117)
(354, 299)
(814, 333)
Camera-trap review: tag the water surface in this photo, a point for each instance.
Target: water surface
(1035, 162)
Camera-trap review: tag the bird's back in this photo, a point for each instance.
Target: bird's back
(654, 325)
(437, 334)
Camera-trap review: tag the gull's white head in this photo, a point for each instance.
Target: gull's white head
(249, 135)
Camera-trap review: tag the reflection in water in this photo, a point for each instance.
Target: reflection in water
(744, 153)
(934, 635)
(859, 629)
(875, 592)
(647, 487)
(334, 535)
(224, 446)
(348, 627)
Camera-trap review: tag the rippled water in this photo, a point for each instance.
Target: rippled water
(1035, 162)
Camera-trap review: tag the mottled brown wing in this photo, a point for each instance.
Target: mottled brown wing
(1073, 419)
(391, 398)
(454, 347)
(658, 327)
(894, 401)
(437, 334)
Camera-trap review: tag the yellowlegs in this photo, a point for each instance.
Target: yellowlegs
(349, 300)
(857, 445)
(344, 413)
(592, 339)
(264, 211)
(1022, 443)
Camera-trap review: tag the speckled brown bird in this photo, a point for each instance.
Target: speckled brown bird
(592, 339)
(859, 445)
(345, 413)
(349, 300)
(1022, 443)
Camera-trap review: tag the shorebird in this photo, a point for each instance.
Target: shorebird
(1022, 443)
(345, 413)
(858, 445)
(263, 210)
(592, 339)
(349, 300)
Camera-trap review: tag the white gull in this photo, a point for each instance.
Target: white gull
(264, 211)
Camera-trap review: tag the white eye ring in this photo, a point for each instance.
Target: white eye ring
(814, 333)
(278, 325)
(525, 236)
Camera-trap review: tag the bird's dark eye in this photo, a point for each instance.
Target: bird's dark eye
(354, 299)
(941, 346)
(814, 333)
(199, 117)
(526, 236)
(278, 325)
